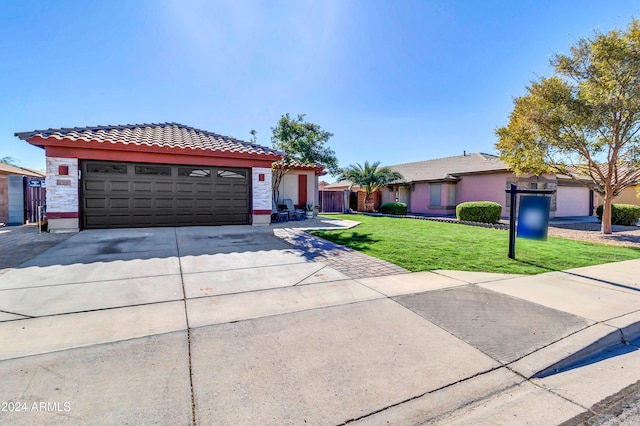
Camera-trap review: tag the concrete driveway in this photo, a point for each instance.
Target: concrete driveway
(235, 325)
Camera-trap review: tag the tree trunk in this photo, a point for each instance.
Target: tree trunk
(368, 206)
(606, 212)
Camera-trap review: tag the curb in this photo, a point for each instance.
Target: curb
(620, 336)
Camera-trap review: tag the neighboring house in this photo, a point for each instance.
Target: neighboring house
(322, 184)
(12, 193)
(168, 174)
(438, 186)
(627, 196)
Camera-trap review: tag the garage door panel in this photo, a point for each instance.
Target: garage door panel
(203, 219)
(164, 203)
(204, 203)
(204, 187)
(118, 203)
(165, 219)
(238, 188)
(142, 186)
(95, 203)
(118, 220)
(118, 185)
(141, 195)
(142, 203)
(142, 219)
(92, 221)
(184, 203)
(223, 188)
(164, 186)
(185, 188)
(240, 204)
(95, 185)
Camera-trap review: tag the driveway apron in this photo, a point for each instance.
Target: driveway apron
(241, 325)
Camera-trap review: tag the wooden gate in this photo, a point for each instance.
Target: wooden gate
(331, 201)
(35, 196)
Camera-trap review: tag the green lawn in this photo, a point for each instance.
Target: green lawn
(421, 245)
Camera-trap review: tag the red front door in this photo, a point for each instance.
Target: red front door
(302, 190)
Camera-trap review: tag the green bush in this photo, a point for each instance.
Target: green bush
(622, 214)
(394, 208)
(479, 211)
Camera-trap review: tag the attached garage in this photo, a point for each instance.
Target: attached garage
(573, 200)
(149, 175)
(135, 195)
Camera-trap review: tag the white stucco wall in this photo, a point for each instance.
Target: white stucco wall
(289, 186)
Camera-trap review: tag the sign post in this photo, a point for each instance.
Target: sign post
(535, 215)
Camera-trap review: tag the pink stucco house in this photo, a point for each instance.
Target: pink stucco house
(438, 186)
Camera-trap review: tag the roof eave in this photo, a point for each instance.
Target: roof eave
(121, 146)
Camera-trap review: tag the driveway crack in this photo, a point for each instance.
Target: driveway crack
(186, 317)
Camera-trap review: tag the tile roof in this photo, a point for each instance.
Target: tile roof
(165, 135)
(449, 167)
(341, 184)
(16, 170)
(292, 163)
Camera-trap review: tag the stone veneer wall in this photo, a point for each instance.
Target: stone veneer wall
(62, 194)
(261, 196)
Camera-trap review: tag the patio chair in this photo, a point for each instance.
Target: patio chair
(278, 215)
(294, 214)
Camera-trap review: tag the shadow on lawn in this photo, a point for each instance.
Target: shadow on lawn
(353, 240)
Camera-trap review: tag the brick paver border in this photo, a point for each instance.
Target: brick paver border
(343, 259)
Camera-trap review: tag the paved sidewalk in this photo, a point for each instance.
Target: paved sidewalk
(233, 325)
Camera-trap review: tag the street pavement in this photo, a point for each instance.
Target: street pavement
(238, 325)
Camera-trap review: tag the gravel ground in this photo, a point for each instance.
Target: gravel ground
(621, 236)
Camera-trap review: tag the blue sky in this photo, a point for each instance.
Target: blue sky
(395, 81)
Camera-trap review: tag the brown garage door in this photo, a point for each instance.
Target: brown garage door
(130, 195)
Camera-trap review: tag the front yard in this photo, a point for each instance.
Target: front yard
(422, 245)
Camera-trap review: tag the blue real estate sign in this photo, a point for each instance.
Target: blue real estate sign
(533, 217)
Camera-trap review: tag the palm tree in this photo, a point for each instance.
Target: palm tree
(370, 178)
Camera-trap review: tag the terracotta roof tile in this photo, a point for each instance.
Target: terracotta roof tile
(293, 163)
(170, 135)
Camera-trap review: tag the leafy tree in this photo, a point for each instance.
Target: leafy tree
(304, 143)
(9, 160)
(583, 120)
(254, 136)
(370, 178)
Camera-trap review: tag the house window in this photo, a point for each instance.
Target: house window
(435, 190)
(107, 168)
(231, 174)
(452, 195)
(153, 170)
(193, 172)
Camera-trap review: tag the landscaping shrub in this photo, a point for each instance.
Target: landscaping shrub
(479, 211)
(621, 214)
(394, 208)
